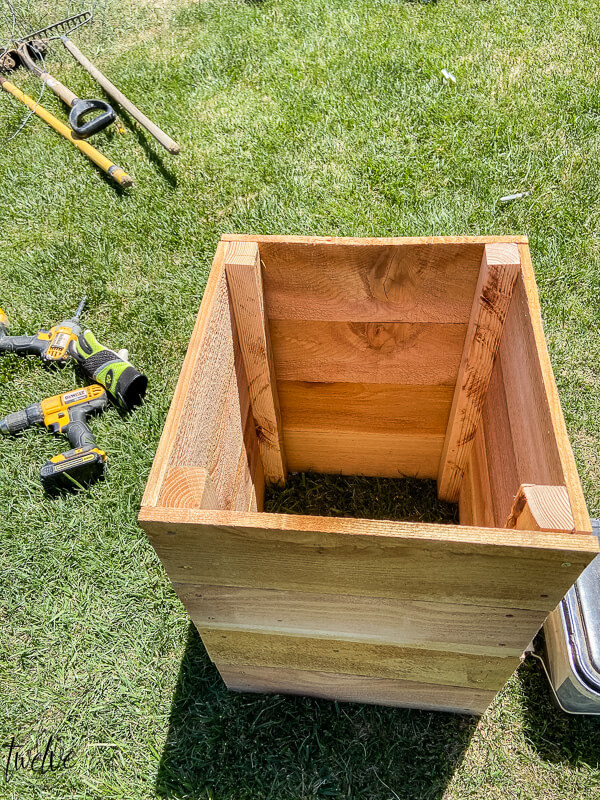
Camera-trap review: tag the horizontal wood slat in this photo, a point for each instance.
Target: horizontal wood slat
(372, 558)
(368, 241)
(356, 688)
(358, 658)
(349, 453)
(369, 352)
(371, 283)
(363, 407)
(438, 626)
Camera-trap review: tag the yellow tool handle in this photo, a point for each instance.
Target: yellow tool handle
(105, 164)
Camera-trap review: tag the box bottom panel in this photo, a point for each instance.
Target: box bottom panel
(355, 688)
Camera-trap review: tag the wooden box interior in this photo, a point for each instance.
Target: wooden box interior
(382, 357)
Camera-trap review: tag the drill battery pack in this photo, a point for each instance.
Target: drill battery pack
(73, 469)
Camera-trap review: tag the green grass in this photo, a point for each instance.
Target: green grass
(360, 497)
(294, 116)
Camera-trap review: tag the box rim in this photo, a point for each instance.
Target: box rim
(367, 241)
(577, 543)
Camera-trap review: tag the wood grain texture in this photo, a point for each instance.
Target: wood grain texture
(499, 268)
(371, 283)
(363, 407)
(398, 560)
(541, 508)
(358, 658)
(367, 352)
(352, 453)
(542, 450)
(188, 487)
(437, 626)
(499, 448)
(356, 688)
(569, 468)
(190, 365)
(475, 501)
(210, 424)
(242, 265)
(368, 429)
(337, 241)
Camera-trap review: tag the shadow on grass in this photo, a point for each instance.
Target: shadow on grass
(557, 737)
(222, 744)
(147, 144)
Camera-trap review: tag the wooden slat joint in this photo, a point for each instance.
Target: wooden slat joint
(499, 269)
(541, 508)
(244, 276)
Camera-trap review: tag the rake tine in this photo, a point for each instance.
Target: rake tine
(61, 28)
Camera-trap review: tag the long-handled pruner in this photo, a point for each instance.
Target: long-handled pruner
(61, 30)
(79, 108)
(105, 164)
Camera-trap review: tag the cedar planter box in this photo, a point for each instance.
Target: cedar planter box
(389, 357)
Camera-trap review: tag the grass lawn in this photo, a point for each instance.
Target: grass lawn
(301, 117)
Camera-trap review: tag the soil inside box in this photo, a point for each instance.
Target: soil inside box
(315, 494)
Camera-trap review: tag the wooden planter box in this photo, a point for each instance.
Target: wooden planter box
(389, 357)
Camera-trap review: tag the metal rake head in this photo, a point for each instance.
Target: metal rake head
(58, 29)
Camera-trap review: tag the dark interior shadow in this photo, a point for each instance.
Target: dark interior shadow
(556, 736)
(222, 744)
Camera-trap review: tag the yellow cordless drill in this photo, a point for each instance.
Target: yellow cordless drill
(51, 346)
(125, 385)
(66, 414)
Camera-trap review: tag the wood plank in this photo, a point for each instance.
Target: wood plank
(364, 407)
(499, 268)
(188, 487)
(499, 447)
(475, 500)
(204, 322)
(356, 689)
(466, 503)
(401, 560)
(480, 476)
(359, 241)
(436, 626)
(358, 658)
(371, 283)
(214, 429)
(353, 453)
(242, 265)
(258, 495)
(569, 468)
(542, 450)
(403, 353)
(541, 508)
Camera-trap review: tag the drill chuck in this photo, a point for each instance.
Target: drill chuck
(21, 420)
